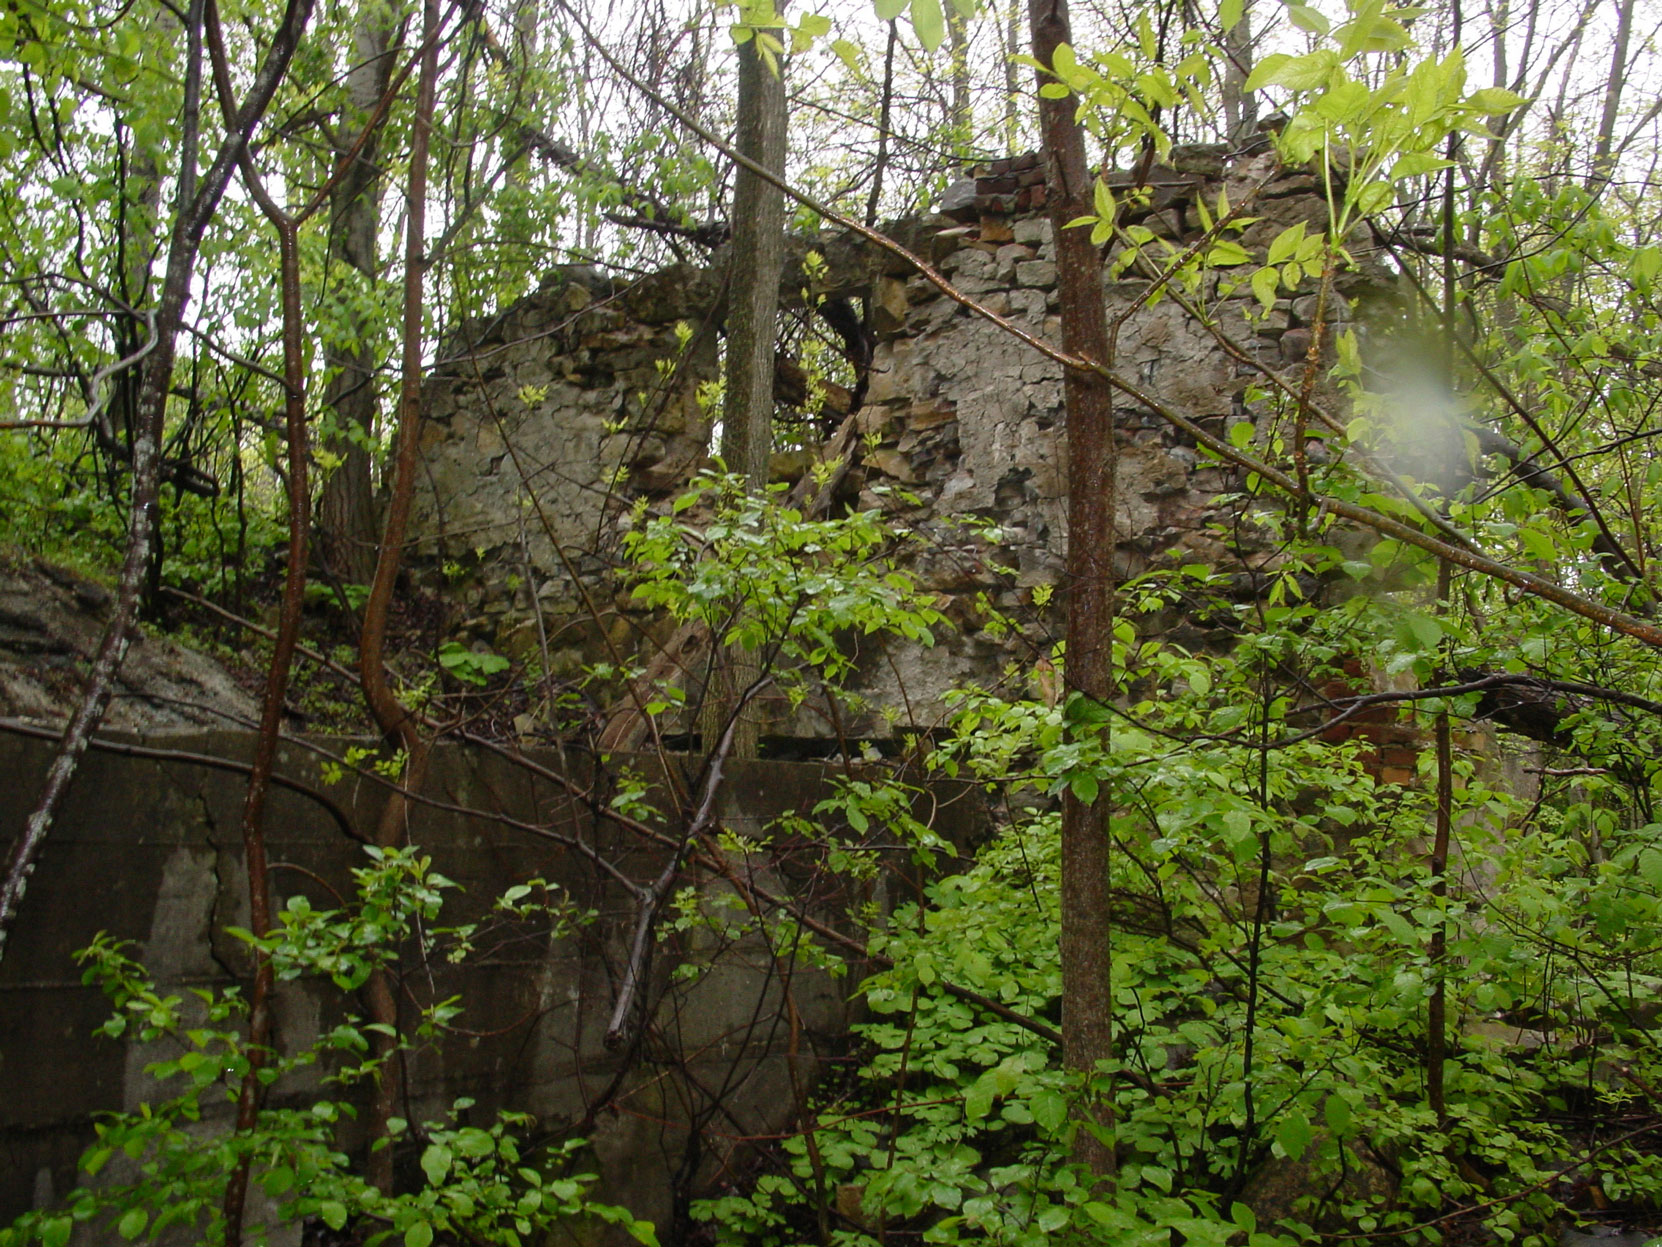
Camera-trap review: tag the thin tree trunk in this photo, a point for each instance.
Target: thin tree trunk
(347, 528)
(395, 719)
(1602, 150)
(276, 688)
(963, 111)
(757, 264)
(1240, 106)
(1436, 1020)
(1012, 81)
(1087, 989)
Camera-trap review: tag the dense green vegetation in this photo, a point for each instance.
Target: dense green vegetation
(1343, 997)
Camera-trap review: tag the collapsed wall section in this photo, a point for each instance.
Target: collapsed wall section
(961, 434)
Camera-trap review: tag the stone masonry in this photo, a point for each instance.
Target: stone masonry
(557, 415)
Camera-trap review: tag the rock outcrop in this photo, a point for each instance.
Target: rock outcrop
(51, 622)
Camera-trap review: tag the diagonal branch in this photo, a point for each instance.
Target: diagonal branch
(1387, 526)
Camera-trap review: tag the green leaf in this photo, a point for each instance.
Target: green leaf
(1286, 244)
(1307, 18)
(1227, 254)
(929, 23)
(1086, 711)
(436, 1162)
(278, 1180)
(1538, 544)
(1229, 13)
(1264, 73)
(1265, 283)
(333, 1213)
(978, 1100)
(1650, 867)
(418, 1235)
(1338, 1113)
(475, 1143)
(1103, 199)
(1305, 73)
(1372, 197)
(1050, 1109)
(132, 1224)
(1419, 632)
(1084, 787)
(56, 1231)
(1293, 1134)
(1416, 164)
(1495, 100)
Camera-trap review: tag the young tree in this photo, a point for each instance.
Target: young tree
(755, 266)
(1088, 589)
(347, 521)
(197, 195)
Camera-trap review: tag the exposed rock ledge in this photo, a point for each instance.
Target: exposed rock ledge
(51, 621)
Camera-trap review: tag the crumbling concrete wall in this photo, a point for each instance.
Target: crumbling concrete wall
(149, 850)
(961, 424)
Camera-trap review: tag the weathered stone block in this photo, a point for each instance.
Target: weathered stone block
(890, 306)
(1039, 274)
(1010, 255)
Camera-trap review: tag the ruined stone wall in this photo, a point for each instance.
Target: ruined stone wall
(961, 421)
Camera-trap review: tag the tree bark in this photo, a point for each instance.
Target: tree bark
(963, 109)
(396, 720)
(757, 264)
(1240, 106)
(276, 689)
(1603, 148)
(1087, 989)
(347, 528)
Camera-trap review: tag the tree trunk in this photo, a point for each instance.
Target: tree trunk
(396, 720)
(758, 263)
(1240, 106)
(347, 524)
(1012, 81)
(1087, 989)
(963, 110)
(1603, 150)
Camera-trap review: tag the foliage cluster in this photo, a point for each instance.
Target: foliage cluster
(1273, 956)
(1289, 956)
(163, 1169)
